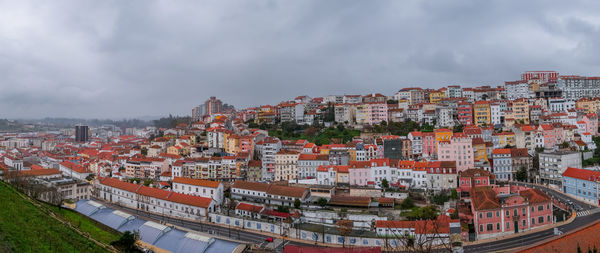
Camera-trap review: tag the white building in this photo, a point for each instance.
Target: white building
(199, 187)
(154, 200)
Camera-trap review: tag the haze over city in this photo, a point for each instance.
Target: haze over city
(114, 59)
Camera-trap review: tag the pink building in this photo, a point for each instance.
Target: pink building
(378, 112)
(548, 135)
(429, 144)
(496, 214)
(459, 149)
(470, 178)
(359, 173)
(591, 123)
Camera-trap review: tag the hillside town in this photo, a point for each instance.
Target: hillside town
(449, 168)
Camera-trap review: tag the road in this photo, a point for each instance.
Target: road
(592, 214)
(242, 235)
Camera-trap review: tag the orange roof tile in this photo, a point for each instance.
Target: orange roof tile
(197, 182)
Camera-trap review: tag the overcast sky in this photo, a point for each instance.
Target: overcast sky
(113, 59)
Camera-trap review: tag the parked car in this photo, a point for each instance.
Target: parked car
(269, 239)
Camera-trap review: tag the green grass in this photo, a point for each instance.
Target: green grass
(88, 225)
(25, 228)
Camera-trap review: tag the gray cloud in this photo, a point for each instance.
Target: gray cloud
(133, 58)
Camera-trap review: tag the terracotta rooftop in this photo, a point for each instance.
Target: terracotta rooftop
(197, 182)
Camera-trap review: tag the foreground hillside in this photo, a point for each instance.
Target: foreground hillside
(25, 228)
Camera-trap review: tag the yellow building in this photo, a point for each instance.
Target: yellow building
(232, 143)
(519, 111)
(436, 96)
(442, 134)
(505, 138)
(352, 154)
(479, 150)
(588, 105)
(286, 165)
(482, 113)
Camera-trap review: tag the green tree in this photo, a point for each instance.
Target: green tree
(297, 203)
(454, 215)
(453, 194)
(127, 242)
(521, 174)
(407, 203)
(440, 199)
(283, 209)
(322, 202)
(385, 184)
(458, 129)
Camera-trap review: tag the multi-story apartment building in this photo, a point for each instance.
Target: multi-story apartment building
(308, 164)
(507, 161)
(541, 76)
(332, 175)
(554, 164)
(497, 115)
(516, 89)
(286, 165)
(345, 113)
(293, 112)
(416, 139)
(454, 91)
(459, 149)
(371, 113)
(519, 111)
(576, 87)
(441, 175)
(465, 113)
(482, 113)
(267, 150)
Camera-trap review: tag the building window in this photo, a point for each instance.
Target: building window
(490, 227)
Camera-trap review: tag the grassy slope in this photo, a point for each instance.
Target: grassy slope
(25, 228)
(87, 225)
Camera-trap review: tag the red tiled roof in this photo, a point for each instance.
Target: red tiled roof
(288, 191)
(39, 172)
(253, 186)
(484, 198)
(75, 167)
(535, 196)
(249, 207)
(190, 200)
(313, 157)
(197, 182)
(582, 174)
(116, 183)
(502, 151)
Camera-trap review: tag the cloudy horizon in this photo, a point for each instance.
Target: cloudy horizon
(126, 59)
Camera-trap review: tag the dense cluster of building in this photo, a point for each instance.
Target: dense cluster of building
(539, 129)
